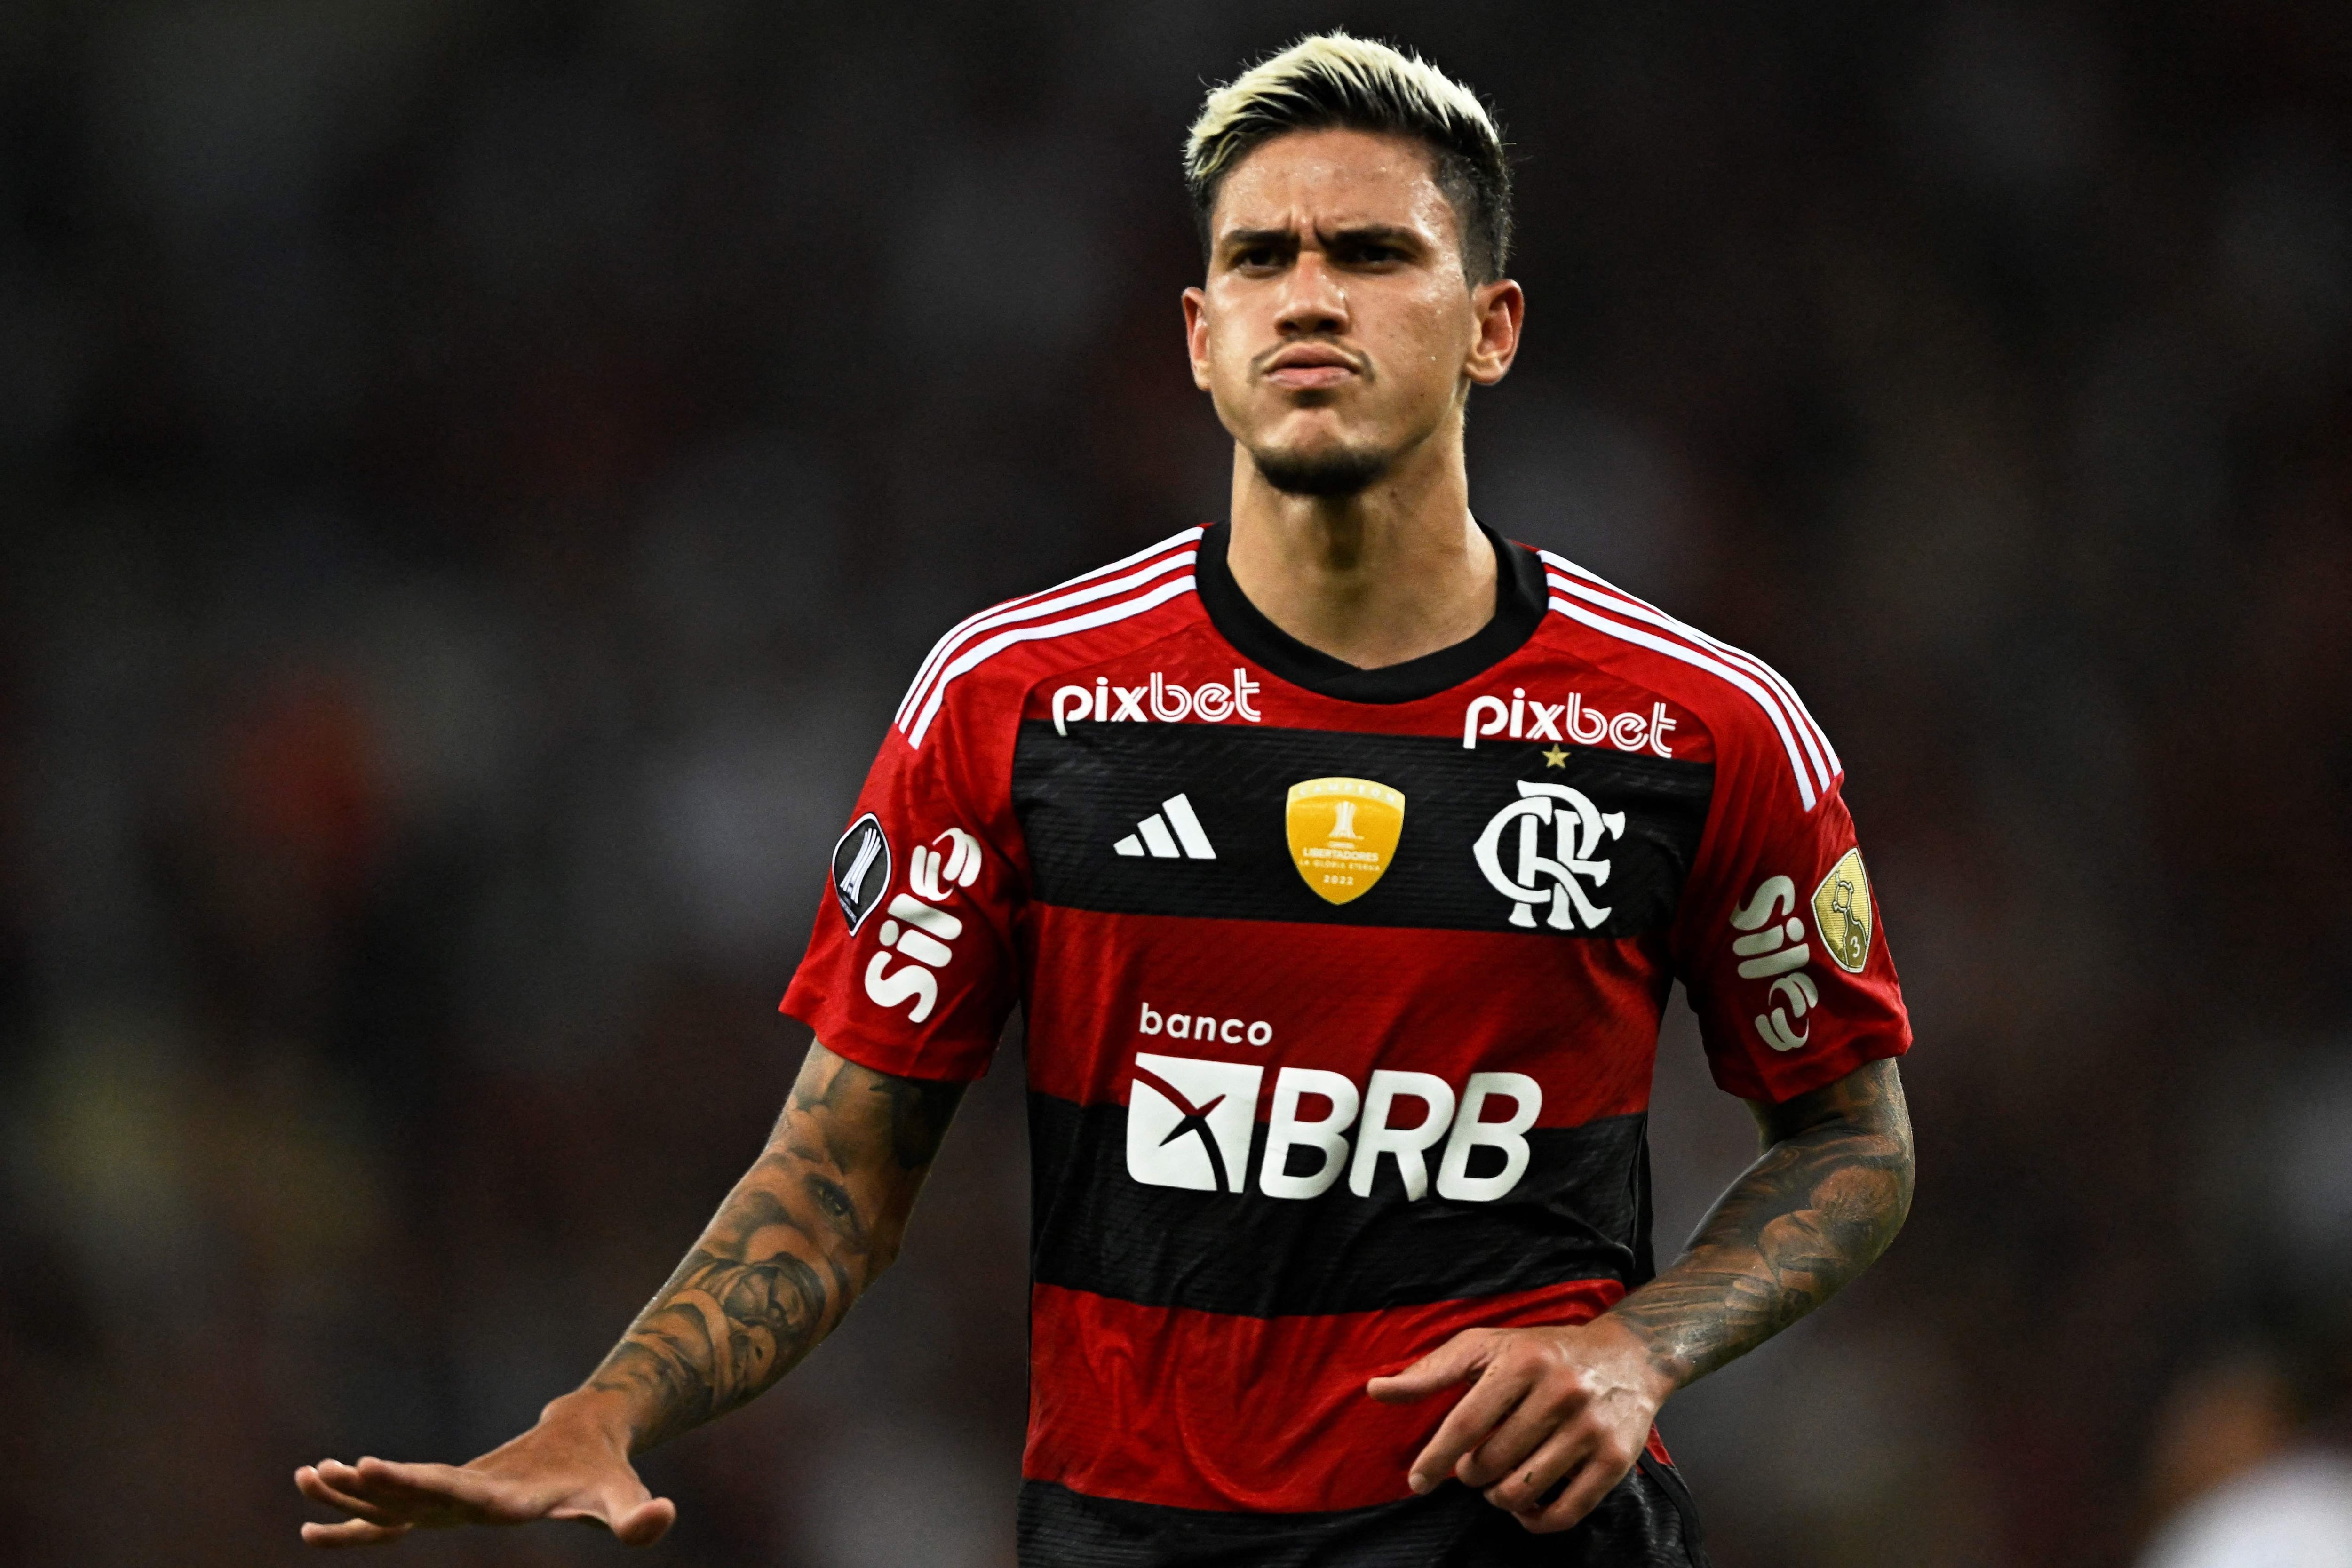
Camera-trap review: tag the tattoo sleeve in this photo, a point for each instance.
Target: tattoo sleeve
(1824, 1200)
(810, 1225)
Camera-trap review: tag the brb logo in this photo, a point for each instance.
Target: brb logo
(1159, 698)
(1189, 1124)
(1529, 876)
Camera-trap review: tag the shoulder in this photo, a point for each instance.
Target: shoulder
(1753, 718)
(988, 662)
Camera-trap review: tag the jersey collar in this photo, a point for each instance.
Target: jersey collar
(1520, 600)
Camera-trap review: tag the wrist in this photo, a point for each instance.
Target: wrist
(601, 1414)
(1652, 1374)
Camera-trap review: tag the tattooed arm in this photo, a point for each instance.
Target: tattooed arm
(803, 1233)
(1574, 1404)
(1828, 1194)
(810, 1225)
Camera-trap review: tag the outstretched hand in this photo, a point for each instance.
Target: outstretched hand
(569, 1465)
(1545, 1405)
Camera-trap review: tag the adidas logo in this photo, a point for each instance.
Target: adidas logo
(1151, 835)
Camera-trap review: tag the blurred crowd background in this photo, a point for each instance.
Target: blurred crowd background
(474, 476)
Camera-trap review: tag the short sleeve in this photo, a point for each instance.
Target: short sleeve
(910, 970)
(1780, 944)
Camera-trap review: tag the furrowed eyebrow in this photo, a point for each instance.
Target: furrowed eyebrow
(1376, 234)
(1249, 239)
(1365, 234)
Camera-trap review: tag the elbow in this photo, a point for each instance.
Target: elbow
(882, 1250)
(1900, 1166)
(1900, 1155)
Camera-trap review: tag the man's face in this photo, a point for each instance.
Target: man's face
(1337, 332)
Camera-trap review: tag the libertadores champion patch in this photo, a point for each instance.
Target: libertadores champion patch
(1842, 912)
(1343, 834)
(861, 870)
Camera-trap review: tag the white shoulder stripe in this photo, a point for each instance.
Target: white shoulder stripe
(1043, 603)
(1101, 616)
(1771, 678)
(1816, 740)
(1775, 697)
(1691, 655)
(1611, 598)
(927, 684)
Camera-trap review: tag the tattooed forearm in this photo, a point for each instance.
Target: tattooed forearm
(803, 1233)
(1829, 1192)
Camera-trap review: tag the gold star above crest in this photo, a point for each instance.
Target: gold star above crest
(1555, 758)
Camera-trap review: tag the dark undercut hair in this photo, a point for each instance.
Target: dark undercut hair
(1335, 81)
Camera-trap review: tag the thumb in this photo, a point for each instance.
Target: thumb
(1457, 1361)
(620, 1504)
(646, 1523)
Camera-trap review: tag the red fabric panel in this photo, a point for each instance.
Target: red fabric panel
(1447, 1002)
(1842, 1019)
(1199, 1410)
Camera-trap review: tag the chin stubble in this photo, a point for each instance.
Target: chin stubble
(1340, 473)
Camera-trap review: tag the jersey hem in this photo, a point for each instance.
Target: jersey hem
(883, 1059)
(1850, 1057)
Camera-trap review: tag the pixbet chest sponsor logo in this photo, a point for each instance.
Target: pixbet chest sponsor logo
(1106, 702)
(1190, 1124)
(1524, 718)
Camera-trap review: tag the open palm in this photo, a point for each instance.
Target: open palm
(549, 1472)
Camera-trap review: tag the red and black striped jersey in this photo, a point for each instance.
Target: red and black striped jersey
(1343, 992)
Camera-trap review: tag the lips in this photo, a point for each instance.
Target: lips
(1307, 366)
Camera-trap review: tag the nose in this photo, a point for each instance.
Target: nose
(1313, 298)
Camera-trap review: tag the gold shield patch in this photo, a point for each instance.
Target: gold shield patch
(1842, 912)
(1343, 834)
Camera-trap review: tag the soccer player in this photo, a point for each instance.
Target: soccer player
(1341, 857)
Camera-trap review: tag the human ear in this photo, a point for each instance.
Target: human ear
(1500, 308)
(1196, 334)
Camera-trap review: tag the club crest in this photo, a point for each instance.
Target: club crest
(861, 870)
(1343, 835)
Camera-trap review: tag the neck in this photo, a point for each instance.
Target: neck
(1388, 574)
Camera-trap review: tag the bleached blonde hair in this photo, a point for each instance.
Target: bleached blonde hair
(1334, 79)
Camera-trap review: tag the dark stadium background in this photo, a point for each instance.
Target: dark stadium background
(475, 478)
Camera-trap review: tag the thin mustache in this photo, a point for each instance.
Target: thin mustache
(1265, 361)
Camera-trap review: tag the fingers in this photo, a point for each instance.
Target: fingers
(398, 1497)
(1502, 1384)
(315, 1487)
(1449, 1363)
(555, 1473)
(391, 1478)
(1540, 1414)
(351, 1532)
(437, 1494)
(1593, 1463)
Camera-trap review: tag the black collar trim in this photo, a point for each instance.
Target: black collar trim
(1520, 598)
